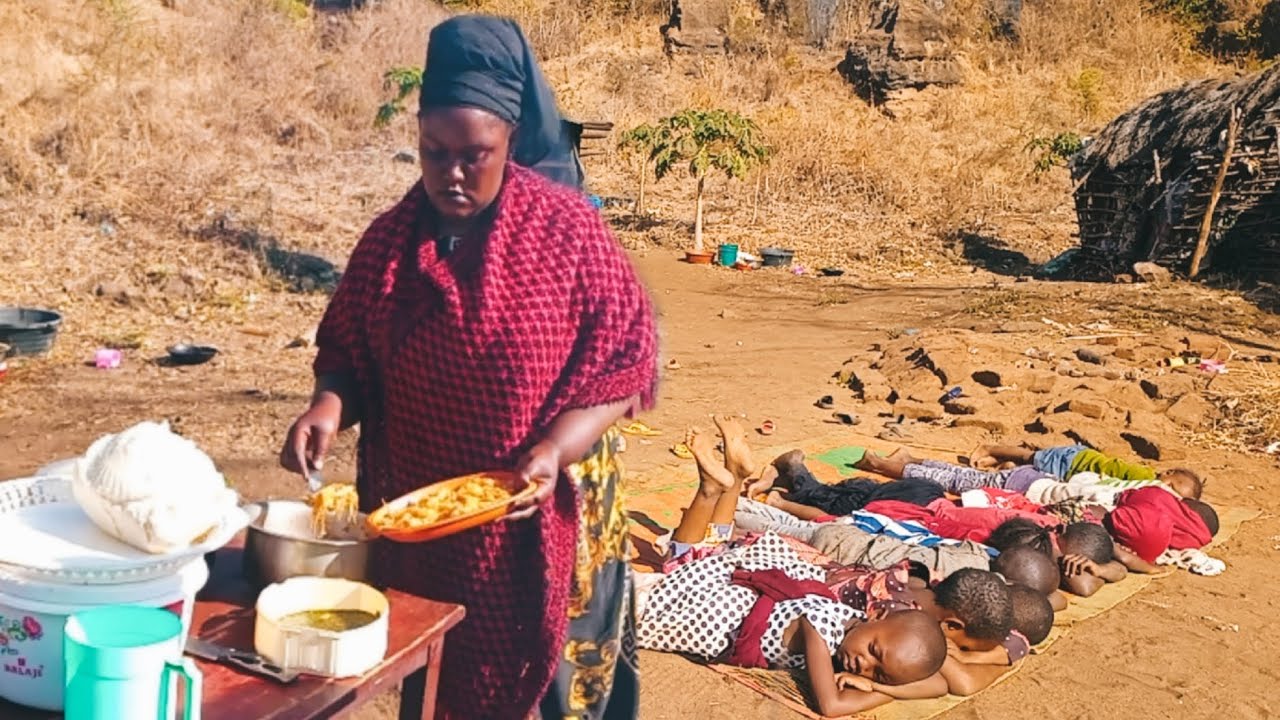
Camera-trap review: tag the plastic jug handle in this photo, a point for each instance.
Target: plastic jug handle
(186, 667)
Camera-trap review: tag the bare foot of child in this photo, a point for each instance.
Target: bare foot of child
(768, 479)
(779, 474)
(901, 455)
(982, 458)
(891, 466)
(714, 479)
(737, 454)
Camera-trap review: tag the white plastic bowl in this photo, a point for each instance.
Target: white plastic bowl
(320, 652)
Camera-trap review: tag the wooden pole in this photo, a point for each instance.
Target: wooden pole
(697, 223)
(1206, 225)
(755, 197)
(644, 175)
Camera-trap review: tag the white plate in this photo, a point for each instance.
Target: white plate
(45, 536)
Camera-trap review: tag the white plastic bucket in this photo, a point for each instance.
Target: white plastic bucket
(32, 616)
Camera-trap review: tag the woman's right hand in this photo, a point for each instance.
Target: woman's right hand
(311, 434)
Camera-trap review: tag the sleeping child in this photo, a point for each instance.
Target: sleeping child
(1149, 521)
(972, 606)
(1085, 554)
(1145, 524)
(1036, 479)
(1067, 461)
(1033, 568)
(760, 605)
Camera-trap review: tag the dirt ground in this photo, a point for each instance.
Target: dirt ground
(766, 344)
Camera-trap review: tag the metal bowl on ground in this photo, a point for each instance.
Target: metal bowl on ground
(185, 354)
(280, 545)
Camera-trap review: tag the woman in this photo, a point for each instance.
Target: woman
(490, 320)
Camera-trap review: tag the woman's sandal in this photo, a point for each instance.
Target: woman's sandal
(639, 428)
(766, 427)
(682, 451)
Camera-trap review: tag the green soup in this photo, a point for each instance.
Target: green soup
(330, 620)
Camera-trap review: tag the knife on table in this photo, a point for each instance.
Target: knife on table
(249, 661)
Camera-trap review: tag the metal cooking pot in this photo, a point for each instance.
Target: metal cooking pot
(280, 545)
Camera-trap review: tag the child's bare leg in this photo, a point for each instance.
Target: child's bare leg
(892, 466)
(713, 482)
(727, 505)
(989, 457)
(804, 512)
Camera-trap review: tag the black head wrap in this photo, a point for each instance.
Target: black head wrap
(485, 62)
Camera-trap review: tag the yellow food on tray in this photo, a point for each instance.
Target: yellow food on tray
(339, 500)
(437, 507)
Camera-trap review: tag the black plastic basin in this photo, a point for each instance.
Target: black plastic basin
(28, 331)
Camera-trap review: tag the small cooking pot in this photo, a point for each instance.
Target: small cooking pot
(280, 545)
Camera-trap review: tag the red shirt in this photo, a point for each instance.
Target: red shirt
(943, 518)
(1151, 520)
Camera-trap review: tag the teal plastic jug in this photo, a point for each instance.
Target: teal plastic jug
(119, 663)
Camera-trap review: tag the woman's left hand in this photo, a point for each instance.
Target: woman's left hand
(540, 465)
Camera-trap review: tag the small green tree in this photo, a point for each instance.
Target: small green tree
(404, 81)
(1089, 85)
(638, 142)
(1055, 151)
(707, 140)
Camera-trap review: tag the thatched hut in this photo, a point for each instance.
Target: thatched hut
(1147, 182)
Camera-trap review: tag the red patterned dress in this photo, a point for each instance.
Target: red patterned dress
(462, 362)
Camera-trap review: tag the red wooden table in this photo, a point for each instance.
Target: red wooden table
(224, 615)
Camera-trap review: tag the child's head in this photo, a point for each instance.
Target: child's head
(1183, 481)
(1206, 513)
(1032, 613)
(975, 610)
(1021, 565)
(1020, 531)
(900, 648)
(1089, 540)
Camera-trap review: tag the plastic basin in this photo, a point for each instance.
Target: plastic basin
(776, 257)
(28, 331)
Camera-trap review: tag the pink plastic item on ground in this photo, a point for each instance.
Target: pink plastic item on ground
(1216, 367)
(107, 359)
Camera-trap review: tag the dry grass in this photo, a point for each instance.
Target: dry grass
(849, 182)
(161, 119)
(137, 110)
(1247, 418)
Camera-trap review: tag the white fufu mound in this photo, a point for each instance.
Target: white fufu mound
(151, 488)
